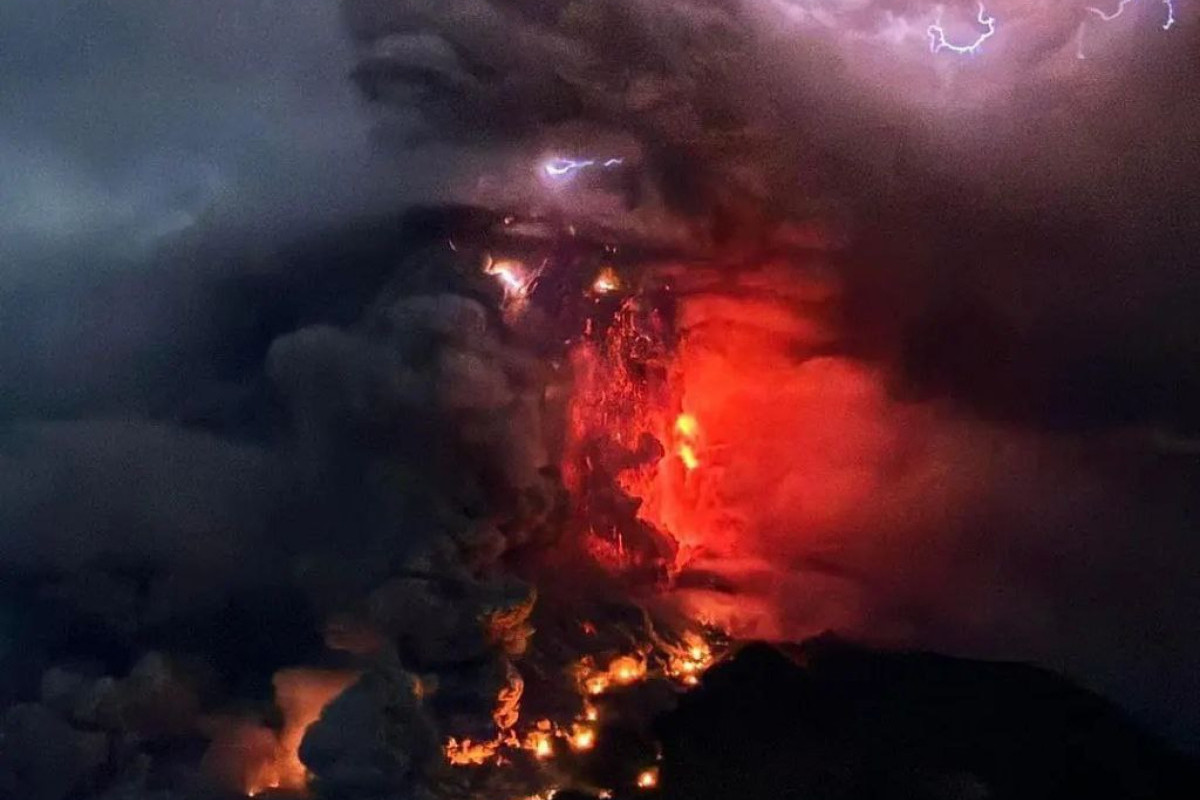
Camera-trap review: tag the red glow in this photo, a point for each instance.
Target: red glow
(712, 428)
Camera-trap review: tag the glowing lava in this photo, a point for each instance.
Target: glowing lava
(540, 740)
(648, 778)
(606, 282)
(582, 738)
(689, 660)
(687, 429)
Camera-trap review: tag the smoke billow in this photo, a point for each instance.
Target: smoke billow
(943, 370)
(978, 439)
(156, 577)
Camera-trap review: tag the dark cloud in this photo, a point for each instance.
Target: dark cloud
(1017, 264)
(349, 438)
(129, 124)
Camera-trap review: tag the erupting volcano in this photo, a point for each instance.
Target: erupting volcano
(599, 400)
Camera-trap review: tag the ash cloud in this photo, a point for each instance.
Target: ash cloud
(1014, 250)
(362, 455)
(157, 573)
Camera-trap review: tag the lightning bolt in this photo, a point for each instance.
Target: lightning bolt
(565, 166)
(938, 41)
(1109, 16)
(560, 167)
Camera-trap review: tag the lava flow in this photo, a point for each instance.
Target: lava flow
(672, 377)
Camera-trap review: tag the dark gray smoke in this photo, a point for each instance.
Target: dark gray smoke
(1015, 251)
(248, 462)
(156, 576)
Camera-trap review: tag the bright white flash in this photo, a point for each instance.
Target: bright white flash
(1109, 16)
(938, 41)
(562, 167)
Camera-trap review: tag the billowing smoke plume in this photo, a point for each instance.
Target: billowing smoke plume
(978, 438)
(165, 589)
(943, 372)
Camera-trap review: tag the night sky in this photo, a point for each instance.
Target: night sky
(185, 182)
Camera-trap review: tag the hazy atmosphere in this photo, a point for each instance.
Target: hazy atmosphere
(333, 331)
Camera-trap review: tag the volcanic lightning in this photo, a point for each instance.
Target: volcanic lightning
(938, 41)
(1109, 16)
(565, 167)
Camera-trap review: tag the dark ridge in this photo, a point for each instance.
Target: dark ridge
(830, 720)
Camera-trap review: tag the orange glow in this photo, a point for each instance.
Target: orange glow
(505, 715)
(582, 738)
(511, 275)
(596, 684)
(621, 671)
(687, 661)
(626, 670)
(607, 281)
(539, 741)
(301, 695)
(468, 753)
(508, 702)
(648, 778)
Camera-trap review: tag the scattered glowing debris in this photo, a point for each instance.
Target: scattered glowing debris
(625, 670)
(607, 281)
(648, 778)
(549, 794)
(621, 671)
(508, 702)
(686, 662)
(468, 753)
(582, 738)
(681, 660)
(510, 274)
(596, 684)
(938, 41)
(539, 741)
(588, 628)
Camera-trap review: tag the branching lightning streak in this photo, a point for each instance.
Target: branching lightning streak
(559, 167)
(565, 166)
(1109, 16)
(938, 41)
